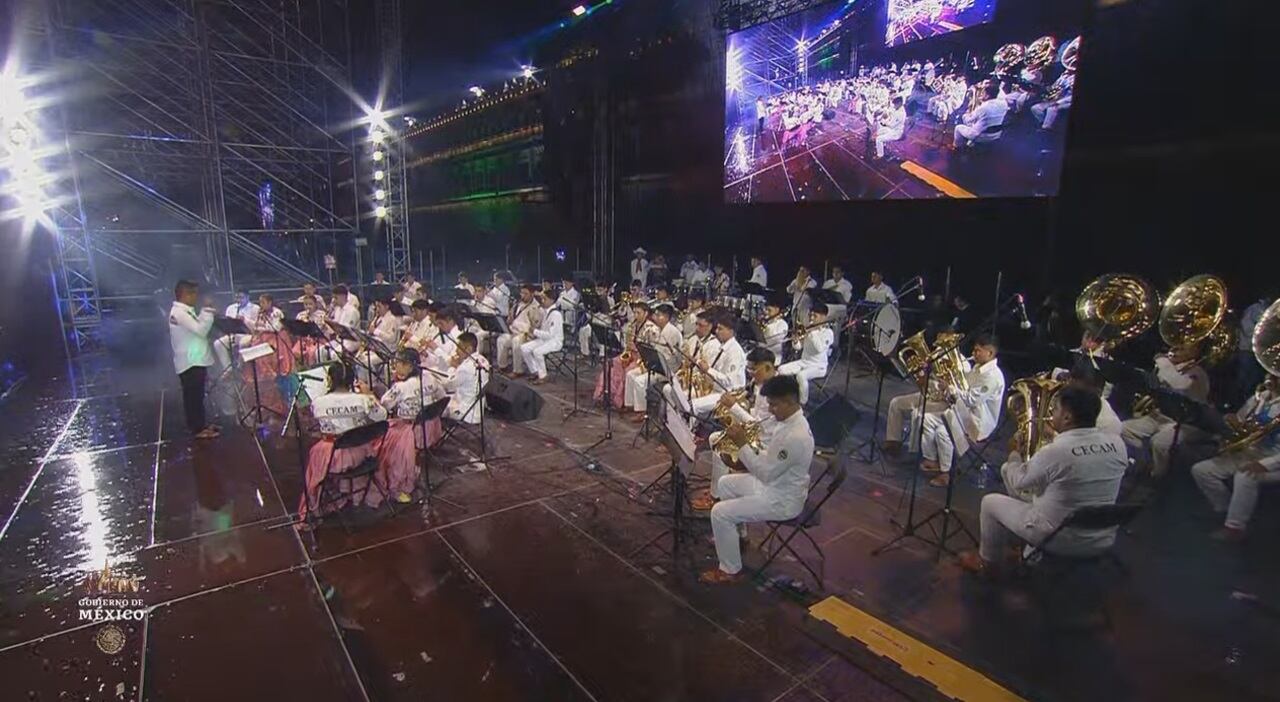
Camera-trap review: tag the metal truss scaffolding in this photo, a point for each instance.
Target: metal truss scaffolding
(204, 138)
(734, 15)
(396, 221)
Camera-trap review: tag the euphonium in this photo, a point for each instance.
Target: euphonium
(1031, 405)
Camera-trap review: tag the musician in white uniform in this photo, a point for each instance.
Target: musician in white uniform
(500, 294)
(815, 351)
(879, 292)
(727, 367)
(244, 310)
(547, 338)
(384, 327)
(759, 275)
(988, 115)
(689, 319)
(1081, 467)
(441, 349)
(775, 327)
(1181, 372)
(666, 339)
(343, 313)
(467, 374)
(569, 302)
(702, 345)
(761, 366)
(801, 301)
(840, 284)
(420, 327)
(776, 484)
(1246, 469)
(410, 286)
(309, 292)
(192, 355)
(890, 126)
(972, 416)
(640, 268)
(524, 318)
(1046, 113)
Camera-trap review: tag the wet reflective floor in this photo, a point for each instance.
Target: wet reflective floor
(528, 584)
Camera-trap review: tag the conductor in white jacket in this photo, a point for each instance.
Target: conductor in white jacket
(192, 354)
(1081, 467)
(776, 483)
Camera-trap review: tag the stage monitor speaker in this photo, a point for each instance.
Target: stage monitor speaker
(832, 421)
(512, 401)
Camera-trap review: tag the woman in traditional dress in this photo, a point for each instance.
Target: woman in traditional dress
(411, 390)
(340, 410)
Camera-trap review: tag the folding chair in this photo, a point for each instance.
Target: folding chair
(341, 486)
(1057, 569)
(818, 386)
(808, 518)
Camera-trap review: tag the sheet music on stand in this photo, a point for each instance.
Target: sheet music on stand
(250, 354)
(374, 344)
(299, 328)
(678, 428)
(491, 323)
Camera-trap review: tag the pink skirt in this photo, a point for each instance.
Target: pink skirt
(617, 383)
(318, 468)
(270, 369)
(398, 467)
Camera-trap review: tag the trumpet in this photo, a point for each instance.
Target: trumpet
(802, 330)
(726, 447)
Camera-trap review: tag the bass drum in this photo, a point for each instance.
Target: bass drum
(881, 331)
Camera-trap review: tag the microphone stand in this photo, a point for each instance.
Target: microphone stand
(429, 490)
(579, 319)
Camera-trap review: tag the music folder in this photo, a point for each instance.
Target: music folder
(229, 325)
(303, 329)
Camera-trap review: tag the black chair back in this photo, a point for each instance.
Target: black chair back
(435, 410)
(1102, 516)
(360, 436)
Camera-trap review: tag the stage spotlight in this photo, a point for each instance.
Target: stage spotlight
(580, 10)
(20, 136)
(526, 71)
(379, 175)
(476, 90)
(380, 211)
(379, 194)
(377, 136)
(561, 254)
(733, 69)
(377, 156)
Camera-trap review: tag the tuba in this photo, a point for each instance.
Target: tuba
(1031, 404)
(1195, 314)
(1116, 308)
(1008, 57)
(1042, 52)
(1266, 348)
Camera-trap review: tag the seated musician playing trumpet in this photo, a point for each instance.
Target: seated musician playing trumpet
(972, 415)
(667, 342)
(744, 408)
(775, 485)
(814, 343)
(1081, 467)
(1246, 463)
(1181, 372)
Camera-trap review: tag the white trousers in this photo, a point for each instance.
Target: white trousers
(1238, 501)
(1003, 517)
(1158, 430)
(535, 355)
(636, 388)
(965, 135)
(509, 355)
(942, 440)
(882, 138)
(803, 372)
(901, 410)
(1046, 113)
(584, 340)
(743, 500)
(222, 347)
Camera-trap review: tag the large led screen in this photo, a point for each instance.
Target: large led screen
(818, 108)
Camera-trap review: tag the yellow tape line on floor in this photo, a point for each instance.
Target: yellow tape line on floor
(952, 678)
(947, 187)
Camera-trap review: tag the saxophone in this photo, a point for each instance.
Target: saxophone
(728, 449)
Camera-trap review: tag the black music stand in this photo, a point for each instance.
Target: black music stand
(869, 451)
(299, 329)
(373, 346)
(650, 357)
(484, 459)
(490, 324)
(611, 347)
(591, 304)
(435, 410)
(258, 408)
(683, 458)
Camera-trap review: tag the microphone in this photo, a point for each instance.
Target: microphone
(1022, 312)
(920, 295)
